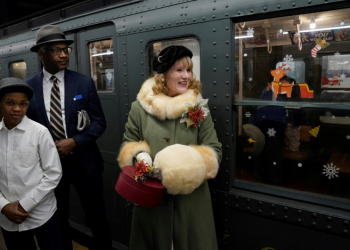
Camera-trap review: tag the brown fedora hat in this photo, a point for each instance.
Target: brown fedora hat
(49, 34)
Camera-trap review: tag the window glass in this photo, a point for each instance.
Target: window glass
(102, 64)
(18, 70)
(292, 100)
(191, 43)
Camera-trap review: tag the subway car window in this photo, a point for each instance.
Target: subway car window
(102, 64)
(18, 70)
(191, 43)
(292, 101)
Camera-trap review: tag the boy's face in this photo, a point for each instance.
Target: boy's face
(14, 106)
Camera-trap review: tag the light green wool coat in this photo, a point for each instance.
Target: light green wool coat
(185, 217)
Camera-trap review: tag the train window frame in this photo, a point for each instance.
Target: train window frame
(111, 78)
(22, 76)
(176, 41)
(239, 101)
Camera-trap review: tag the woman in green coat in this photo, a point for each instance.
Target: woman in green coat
(170, 127)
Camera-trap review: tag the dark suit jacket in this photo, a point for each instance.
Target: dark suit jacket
(87, 152)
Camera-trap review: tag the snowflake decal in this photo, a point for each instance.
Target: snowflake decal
(100, 64)
(348, 137)
(342, 77)
(330, 171)
(94, 51)
(288, 58)
(250, 31)
(341, 23)
(328, 113)
(109, 76)
(250, 79)
(271, 132)
(247, 114)
(337, 53)
(300, 165)
(94, 77)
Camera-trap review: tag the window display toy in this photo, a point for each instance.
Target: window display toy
(320, 44)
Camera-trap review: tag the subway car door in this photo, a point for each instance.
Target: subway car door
(98, 58)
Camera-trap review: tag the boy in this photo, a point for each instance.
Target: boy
(30, 169)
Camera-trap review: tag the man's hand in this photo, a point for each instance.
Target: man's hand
(15, 212)
(65, 146)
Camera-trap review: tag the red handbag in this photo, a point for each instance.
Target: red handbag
(147, 194)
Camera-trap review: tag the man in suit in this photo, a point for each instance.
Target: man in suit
(59, 94)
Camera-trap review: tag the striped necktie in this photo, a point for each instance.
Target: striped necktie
(56, 112)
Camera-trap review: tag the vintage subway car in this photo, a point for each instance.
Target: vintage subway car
(277, 75)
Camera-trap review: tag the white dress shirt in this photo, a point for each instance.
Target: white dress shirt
(47, 85)
(30, 169)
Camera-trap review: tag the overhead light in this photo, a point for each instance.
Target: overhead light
(312, 22)
(246, 36)
(329, 28)
(285, 32)
(102, 54)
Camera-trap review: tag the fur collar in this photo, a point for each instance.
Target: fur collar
(161, 105)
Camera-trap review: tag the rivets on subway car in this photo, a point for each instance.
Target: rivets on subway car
(214, 43)
(300, 221)
(260, 211)
(215, 108)
(142, 73)
(214, 8)
(141, 52)
(314, 215)
(285, 217)
(314, 224)
(251, 10)
(294, 4)
(309, 1)
(227, 146)
(346, 222)
(272, 205)
(300, 212)
(125, 84)
(227, 95)
(141, 41)
(169, 24)
(213, 16)
(214, 95)
(227, 108)
(154, 26)
(214, 69)
(215, 120)
(286, 209)
(161, 25)
(214, 56)
(203, 18)
(194, 19)
(126, 104)
(227, 55)
(214, 30)
(123, 43)
(329, 227)
(124, 74)
(227, 121)
(226, 14)
(265, 8)
(329, 218)
(238, 12)
(141, 63)
(227, 82)
(272, 214)
(248, 208)
(247, 200)
(227, 69)
(345, 231)
(126, 94)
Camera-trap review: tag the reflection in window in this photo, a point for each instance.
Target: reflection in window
(18, 70)
(102, 64)
(192, 44)
(289, 132)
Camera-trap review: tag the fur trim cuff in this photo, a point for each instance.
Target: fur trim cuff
(129, 150)
(210, 159)
(183, 168)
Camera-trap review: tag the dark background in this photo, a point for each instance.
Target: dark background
(17, 11)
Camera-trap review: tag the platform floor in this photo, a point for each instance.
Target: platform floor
(76, 246)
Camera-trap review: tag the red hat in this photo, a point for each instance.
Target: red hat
(147, 194)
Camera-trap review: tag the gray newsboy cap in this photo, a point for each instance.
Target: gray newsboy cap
(49, 34)
(12, 84)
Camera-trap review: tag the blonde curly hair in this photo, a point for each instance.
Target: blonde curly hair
(160, 86)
